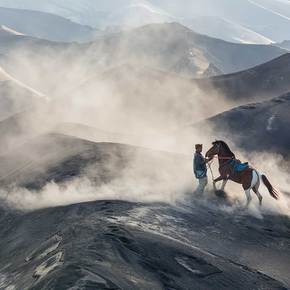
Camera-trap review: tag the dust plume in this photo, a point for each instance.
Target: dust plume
(107, 92)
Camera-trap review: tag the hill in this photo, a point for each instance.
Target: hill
(175, 48)
(257, 127)
(94, 244)
(258, 83)
(45, 25)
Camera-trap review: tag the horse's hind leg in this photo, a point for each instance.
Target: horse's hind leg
(256, 188)
(260, 197)
(248, 195)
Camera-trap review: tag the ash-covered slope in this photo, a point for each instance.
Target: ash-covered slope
(58, 158)
(258, 83)
(123, 245)
(119, 245)
(45, 25)
(258, 126)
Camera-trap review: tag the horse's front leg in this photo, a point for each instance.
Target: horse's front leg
(224, 184)
(217, 180)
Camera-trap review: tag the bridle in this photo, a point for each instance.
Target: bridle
(219, 158)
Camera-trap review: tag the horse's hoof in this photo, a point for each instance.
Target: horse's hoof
(220, 194)
(260, 201)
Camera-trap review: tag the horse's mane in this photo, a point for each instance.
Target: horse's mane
(226, 147)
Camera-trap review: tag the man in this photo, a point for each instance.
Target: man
(200, 169)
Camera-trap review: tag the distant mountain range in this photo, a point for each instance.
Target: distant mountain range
(153, 65)
(45, 25)
(168, 47)
(254, 21)
(181, 50)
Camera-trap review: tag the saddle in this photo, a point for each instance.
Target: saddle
(238, 166)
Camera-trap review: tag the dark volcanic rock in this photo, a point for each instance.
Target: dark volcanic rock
(104, 245)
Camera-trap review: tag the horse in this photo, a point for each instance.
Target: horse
(250, 178)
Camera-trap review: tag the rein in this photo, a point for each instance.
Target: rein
(209, 166)
(224, 158)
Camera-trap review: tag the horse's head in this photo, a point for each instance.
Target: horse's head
(214, 150)
(219, 148)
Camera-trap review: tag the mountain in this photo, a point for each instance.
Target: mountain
(113, 239)
(100, 14)
(168, 47)
(257, 127)
(137, 15)
(259, 19)
(16, 96)
(224, 29)
(85, 12)
(45, 25)
(284, 44)
(173, 47)
(268, 18)
(258, 83)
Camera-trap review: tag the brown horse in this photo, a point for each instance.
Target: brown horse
(249, 177)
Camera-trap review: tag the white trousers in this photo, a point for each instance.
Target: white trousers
(202, 183)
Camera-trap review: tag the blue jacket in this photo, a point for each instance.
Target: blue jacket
(199, 166)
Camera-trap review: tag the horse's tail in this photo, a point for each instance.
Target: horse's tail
(273, 192)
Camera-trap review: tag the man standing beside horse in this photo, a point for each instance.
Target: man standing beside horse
(200, 169)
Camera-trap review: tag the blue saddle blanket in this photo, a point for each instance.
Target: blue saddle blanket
(238, 166)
